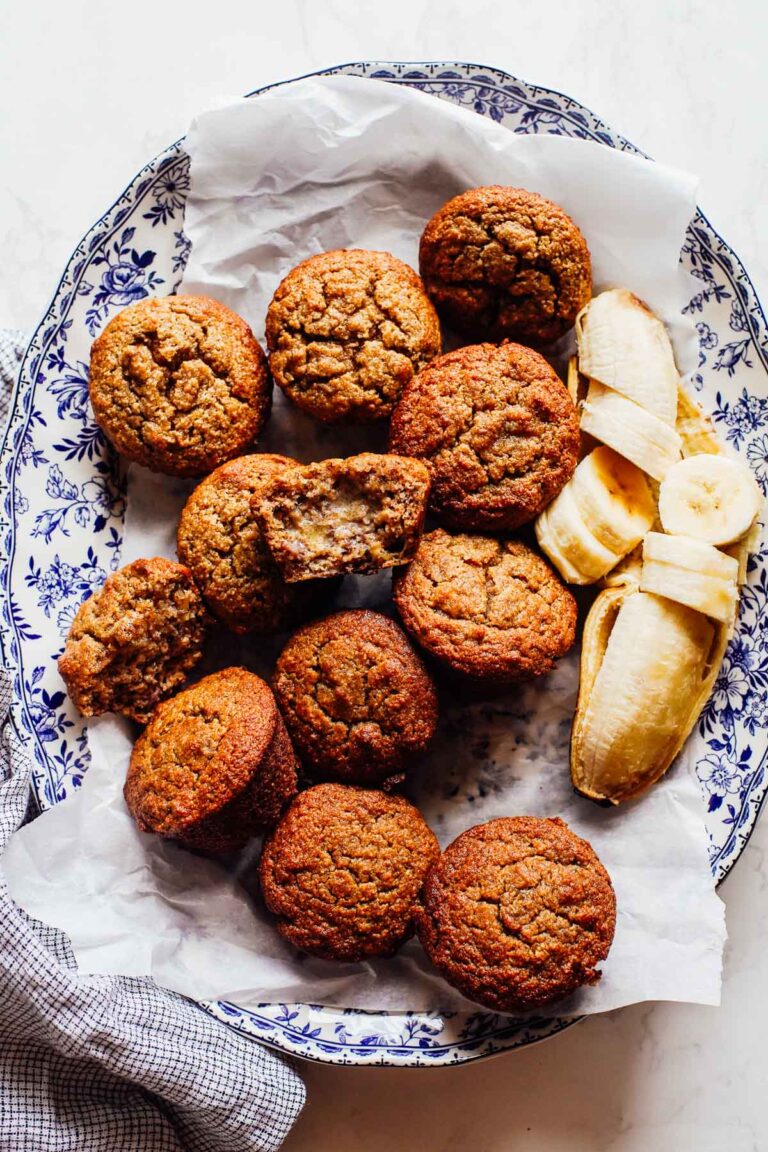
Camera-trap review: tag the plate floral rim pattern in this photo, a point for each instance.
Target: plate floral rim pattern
(62, 495)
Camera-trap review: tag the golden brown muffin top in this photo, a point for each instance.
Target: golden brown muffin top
(518, 913)
(179, 384)
(357, 699)
(501, 261)
(343, 871)
(200, 750)
(490, 609)
(496, 428)
(134, 640)
(347, 330)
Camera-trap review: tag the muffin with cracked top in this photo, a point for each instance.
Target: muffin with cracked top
(497, 430)
(488, 609)
(179, 384)
(504, 262)
(518, 913)
(214, 766)
(347, 330)
(134, 641)
(220, 538)
(343, 871)
(357, 700)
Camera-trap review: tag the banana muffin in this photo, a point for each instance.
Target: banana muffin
(357, 700)
(518, 913)
(343, 871)
(220, 539)
(132, 643)
(498, 431)
(501, 261)
(488, 609)
(347, 330)
(358, 514)
(214, 766)
(179, 384)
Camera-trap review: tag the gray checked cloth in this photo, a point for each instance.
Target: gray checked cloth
(111, 1064)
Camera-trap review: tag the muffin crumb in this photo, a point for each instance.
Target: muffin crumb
(133, 642)
(358, 514)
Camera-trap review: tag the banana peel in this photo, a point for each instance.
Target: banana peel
(648, 665)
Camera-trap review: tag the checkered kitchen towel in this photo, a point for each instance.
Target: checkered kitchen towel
(111, 1064)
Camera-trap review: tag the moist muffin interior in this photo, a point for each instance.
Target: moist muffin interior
(356, 515)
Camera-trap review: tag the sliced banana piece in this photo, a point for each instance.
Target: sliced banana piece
(550, 546)
(647, 668)
(565, 536)
(614, 499)
(624, 346)
(634, 433)
(711, 595)
(693, 555)
(712, 498)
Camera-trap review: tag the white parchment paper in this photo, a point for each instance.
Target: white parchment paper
(336, 162)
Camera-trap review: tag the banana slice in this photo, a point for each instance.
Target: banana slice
(647, 668)
(711, 595)
(638, 435)
(711, 498)
(624, 346)
(550, 546)
(614, 499)
(693, 555)
(586, 559)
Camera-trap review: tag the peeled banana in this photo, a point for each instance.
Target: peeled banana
(711, 498)
(648, 662)
(647, 668)
(624, 346)
(632, 431)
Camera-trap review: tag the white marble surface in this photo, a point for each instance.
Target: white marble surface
(89, 92)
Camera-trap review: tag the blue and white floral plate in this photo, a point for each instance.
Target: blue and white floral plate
(63, 502)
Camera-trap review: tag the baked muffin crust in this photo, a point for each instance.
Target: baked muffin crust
(343, 871)
(214, 766)
(220, 539)
(503, 262)
(496, 428)
(357, 700)
(518, 913)
(179, 384)
(488, 609)
(347, 330)
(133, 642)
